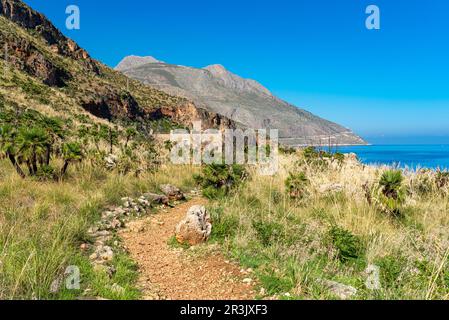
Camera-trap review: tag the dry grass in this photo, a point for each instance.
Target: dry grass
(287, 242)
(411, 250)
(42, 224)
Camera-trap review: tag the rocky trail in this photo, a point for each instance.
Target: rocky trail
(176, 273)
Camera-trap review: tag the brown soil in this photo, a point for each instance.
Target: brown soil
(167, 272)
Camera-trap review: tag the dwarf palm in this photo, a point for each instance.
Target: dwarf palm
(54, 129)
(392, 195)
(130, 133)
(32, 144)
(296, 185)
(391, 182)
(71, 152)
(8, 146)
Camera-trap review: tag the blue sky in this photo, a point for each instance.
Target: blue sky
(385, 84)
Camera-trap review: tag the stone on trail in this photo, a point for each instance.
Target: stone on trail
(102, 254)
(156, 198)
(195, 228)
(172, 192)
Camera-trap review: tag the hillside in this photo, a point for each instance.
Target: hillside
(242, 100)
(46, 71)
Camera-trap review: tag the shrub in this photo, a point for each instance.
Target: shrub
(217, 180)
(391, 181)
(423, 184)
(46, 172)
(276, 284)
(442, 179)
(268, 232)
(340, 157)
(391, 268)
(317, 158)
(224, 225)
(390, 195)
(296, 185)
(287, 150)
(349, 247)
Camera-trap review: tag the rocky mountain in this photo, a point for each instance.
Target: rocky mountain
(244, 101)
(43, 70)
(134, 62)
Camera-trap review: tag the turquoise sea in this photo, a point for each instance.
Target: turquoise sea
(411, 156)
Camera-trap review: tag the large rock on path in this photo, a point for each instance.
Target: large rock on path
(195, 228)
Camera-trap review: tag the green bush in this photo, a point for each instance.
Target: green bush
(224, 225)
(349, 247)
(442, 179)
(390, 182)
(296, 185)
(340, 157)
(46, 172)
(268, 232)
(391, 268)
(276, 284)
(217, 180)
(390, 194)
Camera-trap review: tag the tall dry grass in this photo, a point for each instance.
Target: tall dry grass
(42, 224)
(288, 242)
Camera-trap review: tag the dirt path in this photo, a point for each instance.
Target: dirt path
(177, 274)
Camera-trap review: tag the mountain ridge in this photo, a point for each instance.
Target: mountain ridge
(244, 101)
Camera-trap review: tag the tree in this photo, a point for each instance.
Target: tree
(129, 134)
(32, 145)
(55, 131)
(71, 153)
(8, 147)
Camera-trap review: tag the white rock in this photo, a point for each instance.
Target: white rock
(195, 228)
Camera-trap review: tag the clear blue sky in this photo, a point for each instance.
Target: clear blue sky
(315, 54)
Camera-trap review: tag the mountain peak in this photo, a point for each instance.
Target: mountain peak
(234, 81)
(216, 69)
(132, 61)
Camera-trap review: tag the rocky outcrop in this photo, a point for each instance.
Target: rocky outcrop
(36, 47)
(186, 114)
(21, 14)
(172, 192)
(24, 56)
(109, 104)
(195, 228)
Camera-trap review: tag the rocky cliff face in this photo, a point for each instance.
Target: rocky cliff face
(21, 14)
(188, 113)
(244, 101)
(54, 70)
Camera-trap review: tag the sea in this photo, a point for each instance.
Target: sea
(413, 157)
